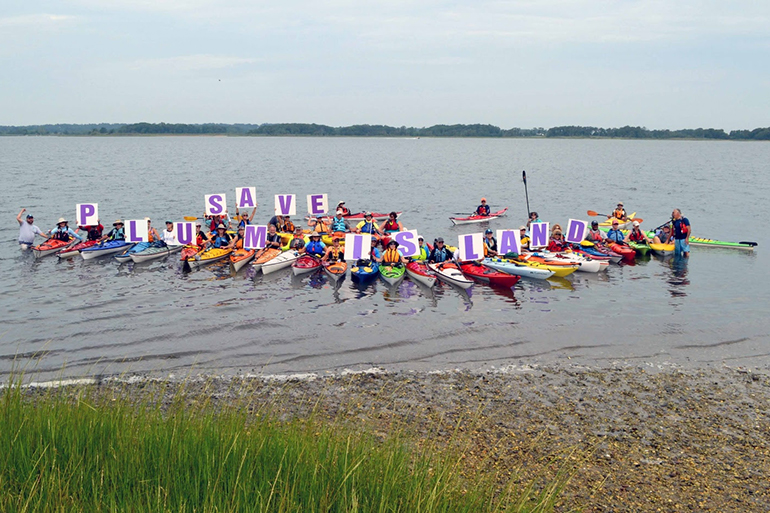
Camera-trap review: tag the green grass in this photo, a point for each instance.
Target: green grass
(84, 450)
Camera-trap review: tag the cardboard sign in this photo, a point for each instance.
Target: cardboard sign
(87, 214)
(317, 204)
(246, 197)
(471, 246)
(185, 233)
(538, 235)
(357, 246)
(508, 241)
(576, 231)
(285, 204)
(215, 204)
(254, 236)
(136, 230)
(407, 242)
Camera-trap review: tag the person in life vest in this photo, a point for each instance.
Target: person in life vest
(440, 252)
(152, 233)
(523, 238)
(483, 209)
(298, 242)
(244, 218)
(663, 236)
(376, 253)
(169, 235)
(368, 225)
(273, 240)
(117, 232)
(315, 247)
(392, 224)
(94, 232)
(557, 242)
(216, 221)
(424, 250)
(200, 236)
(277, 220)
(220, 239)
(63, 232)
(287, 226)
(335, 252)
(490, 244)
(682, 231)
(237, 241)
(614, 235)
(619, 213)
(595, 234)
(345, 210)
(317, 225)
(392, 256)
(339, 224)
(533, 218)
(637, 235)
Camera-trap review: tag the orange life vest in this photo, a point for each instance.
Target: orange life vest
(391, 256)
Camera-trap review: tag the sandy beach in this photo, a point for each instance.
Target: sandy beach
(631, 438)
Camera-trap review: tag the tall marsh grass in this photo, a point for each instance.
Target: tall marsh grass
(84, 450)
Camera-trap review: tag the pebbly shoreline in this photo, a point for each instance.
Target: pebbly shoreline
(632, 439)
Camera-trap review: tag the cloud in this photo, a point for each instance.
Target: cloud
(196, 62)
(37, 21)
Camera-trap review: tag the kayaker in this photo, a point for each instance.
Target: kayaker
(595, 234)
(440, 252)
(490, 244)
(335, 252)
(220, 239)
(392, 224)
(244, 218)
(298, 242)
(152, 233)
(523, 237)
(392, 256)
(169, 235)
(315, 247)
(94, 231)
(317, 225)
(681, 234)
(28, 230)
(237, 241)
(345, 210)
(287, 226)
(368, 225)
(215, 221)
(200, 236)
(117, 232)
(424, 250)
(533, 218)
(619, 213)
(557, 243)
(614, 235)
(273, 240)
(276, 220)
(637, 235)
(339, 224)
(663, 236)
(483, 209)
(63, 232)
(376, 253)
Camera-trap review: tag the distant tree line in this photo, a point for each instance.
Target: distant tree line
(316, 130)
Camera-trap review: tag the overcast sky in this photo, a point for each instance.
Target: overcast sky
(659, 64)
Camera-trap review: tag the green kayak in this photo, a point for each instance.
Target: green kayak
(392, 274)
(640, 247)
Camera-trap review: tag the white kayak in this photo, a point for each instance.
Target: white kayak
(507, 266)
(282, 261)
(154, 253)
(449, 272)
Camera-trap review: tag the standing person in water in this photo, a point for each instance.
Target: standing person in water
(28, 230)
(483, 209)
(681, 234)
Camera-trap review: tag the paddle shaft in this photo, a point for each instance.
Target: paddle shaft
(526, 193)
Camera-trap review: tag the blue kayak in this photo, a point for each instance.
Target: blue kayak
(125, 256)
(105, 248)
(365, 271)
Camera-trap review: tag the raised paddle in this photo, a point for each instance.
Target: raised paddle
(526, 193)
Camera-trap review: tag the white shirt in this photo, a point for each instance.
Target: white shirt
(169, 237)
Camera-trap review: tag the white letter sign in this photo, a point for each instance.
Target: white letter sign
(136, 230)
(471, 246)
(508, 241)
(285, 204)
(185, 233)
(87, 214)
(215, 204)
(246, 197)
(576, 231)
(407, 242)
(254, 236)
(317, 204)
(539, 235)
(357, 246)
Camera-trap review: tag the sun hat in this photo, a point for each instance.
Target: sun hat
(314, 234)
(340, 203)
(368, 214)
(522, 227)
(117, 222)
(220, 226)
(61, 220)
(393, 242)
(620, 203)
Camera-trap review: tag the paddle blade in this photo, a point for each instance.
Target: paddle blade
(592, 213)
(524, 176)
(638, 220)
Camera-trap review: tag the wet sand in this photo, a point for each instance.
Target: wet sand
(633, 439)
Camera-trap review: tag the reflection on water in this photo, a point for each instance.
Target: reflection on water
(678, 279)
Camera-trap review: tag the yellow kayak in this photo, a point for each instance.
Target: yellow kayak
(622, 225)
(559, 271)
(662, 249)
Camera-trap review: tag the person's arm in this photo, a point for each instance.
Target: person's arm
(18, 217)
(689, 229)
(75, 235)
(253, 213)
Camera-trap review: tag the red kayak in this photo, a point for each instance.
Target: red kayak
(377, 216)
(484, 274)
(624, 251)
(419, 272)
(478, 219)
(75, 250)
(49, 247)
(305, 264)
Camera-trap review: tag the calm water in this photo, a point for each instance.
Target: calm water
(86, 318)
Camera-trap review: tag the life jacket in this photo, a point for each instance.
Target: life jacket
(424, 252)
(595, 236)
(200, 239)
(524, 241)
(482, 210)
(391, 256)
(150, 236)
(615, 235)
(314, 247)
(274, 238)
(336, 254)
(391, 226)
(61, 234)
(345, 211)
(368, 227)
(441, 255)
(338, 225)
(243, 223)
(636, 236)
(288, 227)
(221, 241)
(239, 242)
(94, 233)
(556, 245)
(619, 213)
(297, 243)
(117, 234)
(490, 243)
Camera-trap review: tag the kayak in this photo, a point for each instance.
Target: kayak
(601, 251)
(484, 274)
(261, 257)
(209, 256)
(584, 264)
(71, 251)
(50, 246)
(363, 270)
(559, 270)
(392, 274)
(335, 269)
(640, 247)
(305, 264)
(662, 249)
(380, 217)
(511, 267)
(624, 251)
(105, 248)
(329, 239)
(188, 251)
(155, 252)
(478, 219)
(126, 255)
(282, 261)
(241, 257)
(711, 243)
(419, 272)
(621, 225)
(450, 273)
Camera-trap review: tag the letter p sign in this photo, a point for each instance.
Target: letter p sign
(87, 214)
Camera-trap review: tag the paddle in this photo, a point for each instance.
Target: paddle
(526, 193)
(594, 214)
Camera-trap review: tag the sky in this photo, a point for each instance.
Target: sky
(535, 63)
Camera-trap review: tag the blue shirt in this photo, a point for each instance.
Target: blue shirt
(615, 235)
(679, 232)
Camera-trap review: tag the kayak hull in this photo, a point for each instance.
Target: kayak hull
(662, 249)
(305, 264)
(508, 266)
(72, 251)
(335, 270)
(478, 219)
(392, 274)
(154, 253)
(483, 274)
(419, 272)
(126, 255)
(104, 249)
(364, 272)
(50, 246)
(209, 256)
(282, 261)
(450, 273)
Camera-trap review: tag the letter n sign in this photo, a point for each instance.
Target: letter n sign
(357, 246)
(538, 235)
(87, 214)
